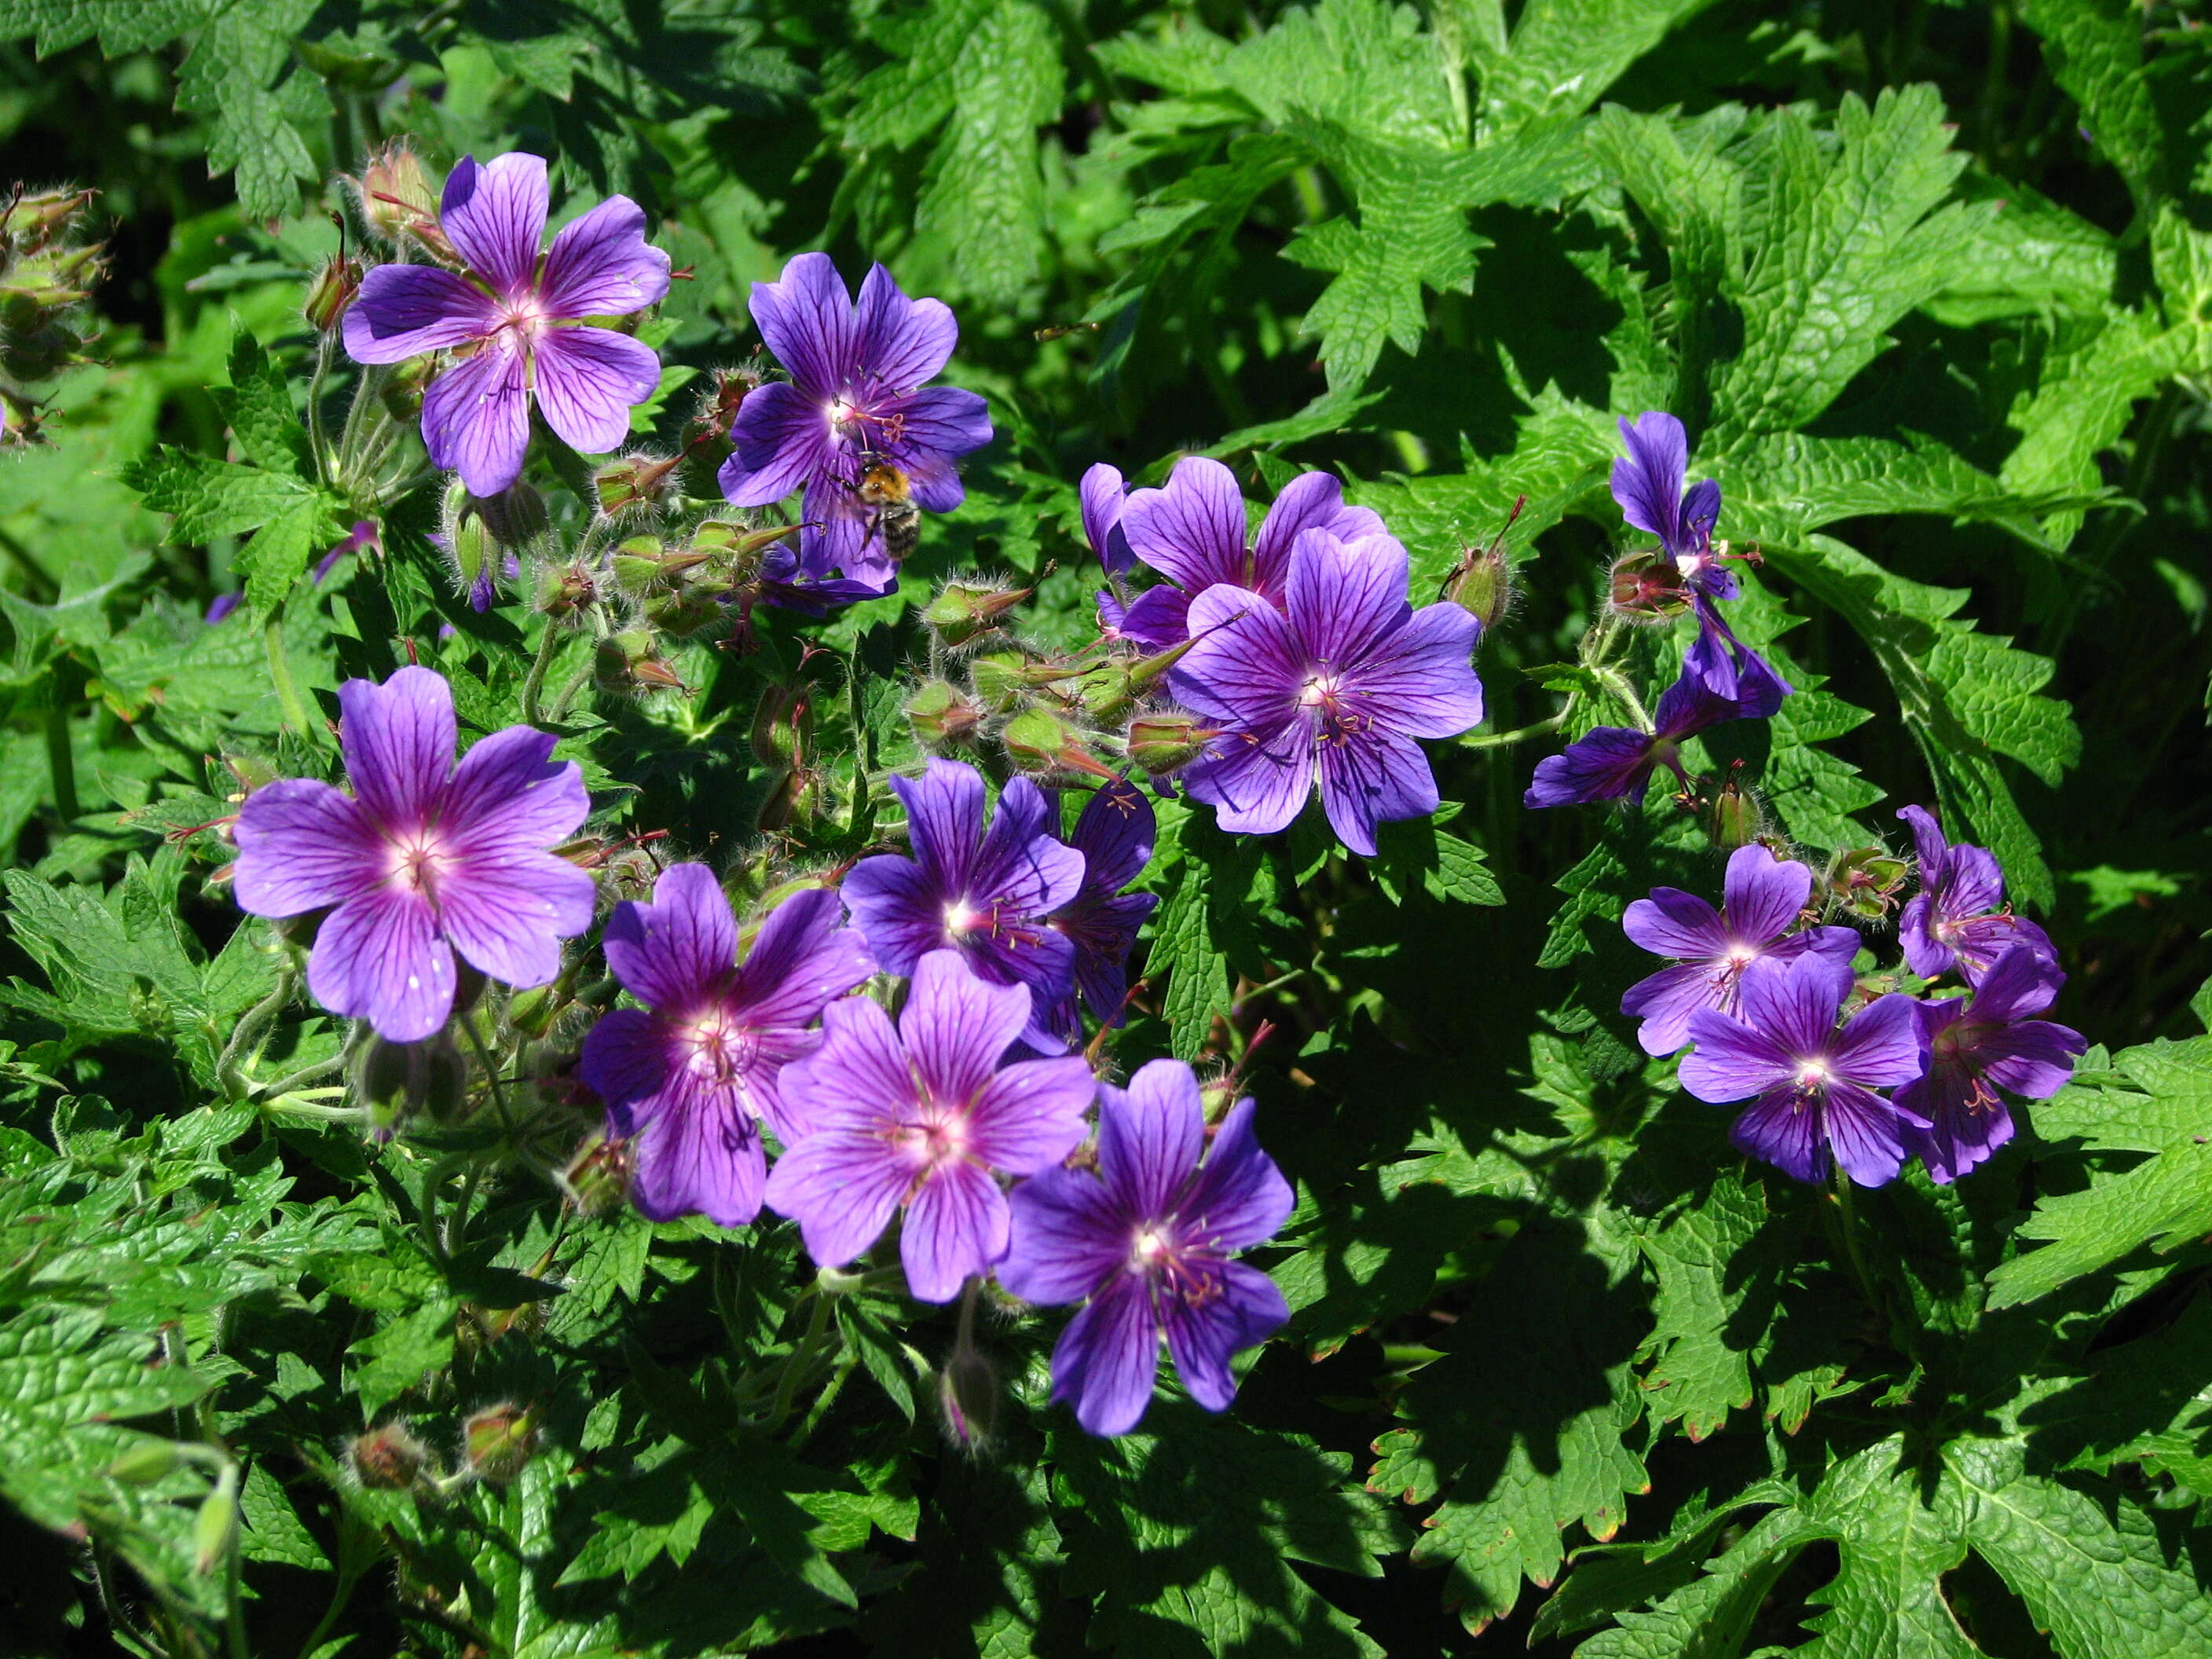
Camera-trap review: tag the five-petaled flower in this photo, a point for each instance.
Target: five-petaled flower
(985, 892)
(690, 1079)
(1811, 1084)
(1338, 689)
(1958, 919)
(1194, 530)
(424, 860)
(1978, 1045)
(512, 322)
(1762, 896)
(1115, 836)
(856, 401)
(920, 1117)
(1145, 1244)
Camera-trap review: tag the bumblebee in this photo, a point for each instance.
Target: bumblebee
(888, 493)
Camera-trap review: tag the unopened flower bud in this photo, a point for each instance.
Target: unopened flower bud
(38, 218)
(36, 341)
(1647, 587)
(597, 1178)
(396, 201)
(566, 592)
(1866, 882)
(402, 392)
(1483, 586)
(997, 679)
(1217, 1095)
(145, 1463)
(332, 292)
(532, 1012)
(1038, 741)
(629, 664)
(498, 1441)
(967, 611)
(968, 1394)
(1166, 742)
(1733, 818)
(634, 480)
(941, 715)
(400, 1080)
(388, 1458)
(780, 723)
(215, 1529)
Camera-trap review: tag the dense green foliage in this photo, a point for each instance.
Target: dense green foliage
(1931, 285)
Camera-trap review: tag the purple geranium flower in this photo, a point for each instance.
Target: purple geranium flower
(1811, 1086)
(1648, 483)
(518, 314)
(1147, 1240)
(1958, 919)
(1115, 836)
(688, 1082)
(1340, 687)
(920, 1117)
(1978, 1044)
(1613, 762)
(1194, 530)
(425, 859)
(985, 893)
(1762, 896)
(855, 401)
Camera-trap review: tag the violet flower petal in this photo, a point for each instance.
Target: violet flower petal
(403, 311)
(494, 216)
(601, 265)
(588, 381)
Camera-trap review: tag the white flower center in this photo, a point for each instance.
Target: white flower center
(961, 918)
(935, 1142)
(1319, 691)
(1742, 956)
(1147, 1251)
(721, 1050)
(418, 862)
(842, 415)
(1812, 1073)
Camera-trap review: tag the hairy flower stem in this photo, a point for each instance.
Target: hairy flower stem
(533, 688)
(318, 437)
(1844, 1222)
(245, 1037)
(288, 689)
(1520, 734)
(368, 393)
(801, 1358)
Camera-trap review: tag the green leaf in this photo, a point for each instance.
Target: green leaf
(2158, 1103)
(2095, 49)
(1189, 1528)
(1198, 972)
(258, 406)
(281, 550)
(2094, 1574)
(1842, 239)
(1897, 1538)
(985, 195)
(1563, 54)
(1967, 698)
(209, 498)
(1518, 1453)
